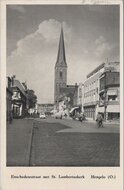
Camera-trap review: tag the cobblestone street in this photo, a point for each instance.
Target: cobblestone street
(55, 143)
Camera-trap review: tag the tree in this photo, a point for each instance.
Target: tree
(31, 99)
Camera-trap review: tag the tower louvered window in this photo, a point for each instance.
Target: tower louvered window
(60, 74)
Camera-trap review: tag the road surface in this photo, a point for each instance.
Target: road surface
(57, 142)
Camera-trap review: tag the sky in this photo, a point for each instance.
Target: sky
(91, 34)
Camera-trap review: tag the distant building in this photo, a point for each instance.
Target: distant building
(70, 91)
(45, 108)
(19, 99)
(63, 103)
(91, 89)
(9, 94)
(68, 97)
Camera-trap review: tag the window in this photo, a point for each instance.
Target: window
(60, 74)
(111, 98)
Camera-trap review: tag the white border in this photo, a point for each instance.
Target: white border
(7, 183)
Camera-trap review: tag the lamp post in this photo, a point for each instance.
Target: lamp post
(105, 99)
(105, 105)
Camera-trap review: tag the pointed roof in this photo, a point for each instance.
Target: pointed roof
(61, 59)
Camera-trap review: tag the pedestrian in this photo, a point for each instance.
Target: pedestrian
(99, 120)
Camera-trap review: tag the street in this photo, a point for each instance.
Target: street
(57, 142)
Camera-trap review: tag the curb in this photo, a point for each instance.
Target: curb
(92, 121)
(28, 156)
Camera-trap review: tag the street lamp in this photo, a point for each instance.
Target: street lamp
(105, 99)
(105, 105)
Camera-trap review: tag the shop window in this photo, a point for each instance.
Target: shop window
(113, 116)
(112, 98)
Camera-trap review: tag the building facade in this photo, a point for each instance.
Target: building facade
(45, 108)
(68, 98)
(91, 93)
(80, 95)
(91, 89)
(19, 99)
(109, 95)
(9, 94)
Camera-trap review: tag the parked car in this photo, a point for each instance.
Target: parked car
(42, 116)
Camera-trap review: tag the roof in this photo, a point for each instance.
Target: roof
(61, 59)
(16, 83)
(96, 70)
(92, 79)
(111, 65)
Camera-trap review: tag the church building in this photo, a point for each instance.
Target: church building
(61, 89)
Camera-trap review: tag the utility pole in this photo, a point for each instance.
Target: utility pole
(105, 99)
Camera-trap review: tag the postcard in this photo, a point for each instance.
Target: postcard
(61, 95)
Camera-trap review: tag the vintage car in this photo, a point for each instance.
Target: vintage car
(42, 116)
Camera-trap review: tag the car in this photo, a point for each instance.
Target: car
(42, 116)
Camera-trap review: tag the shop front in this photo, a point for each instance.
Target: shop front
(113, 112)
(89, 112)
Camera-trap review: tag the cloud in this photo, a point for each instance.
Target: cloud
(35, 56)
(18, 8)
(50, 30)
(45, 36)
(102, 47)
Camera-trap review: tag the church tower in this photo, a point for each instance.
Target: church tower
(60, 69)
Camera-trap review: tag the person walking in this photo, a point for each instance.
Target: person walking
(99, 120)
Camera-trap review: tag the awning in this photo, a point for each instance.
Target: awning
(112, 92)
(101, 109)
(113, 108)
(73, 109)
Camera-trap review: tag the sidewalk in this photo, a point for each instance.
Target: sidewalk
(105, 122)
(115, 122)
(19, 135)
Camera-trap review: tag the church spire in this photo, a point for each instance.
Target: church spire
(61, 59)
(60, 69)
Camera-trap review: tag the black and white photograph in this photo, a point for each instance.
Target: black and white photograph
(62, 85)
(61, 100)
